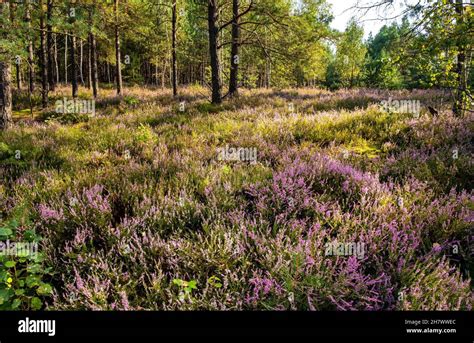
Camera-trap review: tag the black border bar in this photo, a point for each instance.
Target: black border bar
(70, 324)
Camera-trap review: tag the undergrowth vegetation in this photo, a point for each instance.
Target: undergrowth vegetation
(133, 210)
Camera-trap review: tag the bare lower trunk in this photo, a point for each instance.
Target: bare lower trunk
(56, 63)
(89, 63)
(18, 76)
(49, 38)
(95, 74)
(73, 67)
(43, 58)
(163, 74)
(5, 96)
(268, 82)
(31, 66)
(65, 58)
(173, 44)
(118, 69)
(234, 55)
(212, 17)
(81, 60)
(460, 102)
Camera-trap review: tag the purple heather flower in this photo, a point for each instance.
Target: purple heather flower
(48, 214)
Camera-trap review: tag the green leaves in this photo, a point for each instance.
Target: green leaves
(5, 232)
(189, 286)
(16, 303)
(34, 268)
(32, 281)
(31, 236)
(36, 303)
(5, 295)
(44, 289)
(186, 288)
(214, 281)
(22, 274)
(10, 264)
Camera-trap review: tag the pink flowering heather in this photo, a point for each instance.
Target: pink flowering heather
(347, 208)
(49, 214)
(95, 198)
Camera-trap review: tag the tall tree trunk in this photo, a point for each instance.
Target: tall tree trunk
(49, 38)
(5, 83)
(117, 49)
(56, 63)
(31, 66)
(43, 57)
(89, 62)
(95, 74)
(170, 71)
(269, 71)
(150, 73)
(173, 44)
(234, 55)
(18, 75)
(81, 60)
(212, 17)
(65, 58)
(17, 60)
(191, 71)
(351, 82)
(163, 73)
(267, 78)
(5, 96)
(73, 67)
(459, 107)
(203, 70)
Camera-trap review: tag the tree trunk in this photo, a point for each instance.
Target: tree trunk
(173, 44)
(234, 55)
(163, 74)
(203, 70)
(43, 58)
(17, 60)
(269, 71)
(49, 38)
(212, 17)
(89, 63)
(18, 75)
(351, 83)
(191, 75)
(95, 74)
(81, 61)
(117, 50)
(459, 107)
(89, 55)
(56, 63)
(31, 67)
(5, 96)
(73, 67)
(65, 59)
(5, 83)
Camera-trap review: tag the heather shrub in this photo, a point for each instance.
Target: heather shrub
(395, 232)
(136, 211)
(435, 287)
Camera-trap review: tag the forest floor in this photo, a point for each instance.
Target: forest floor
(280, 199)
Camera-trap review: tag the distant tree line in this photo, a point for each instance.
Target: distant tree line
(226, 45)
